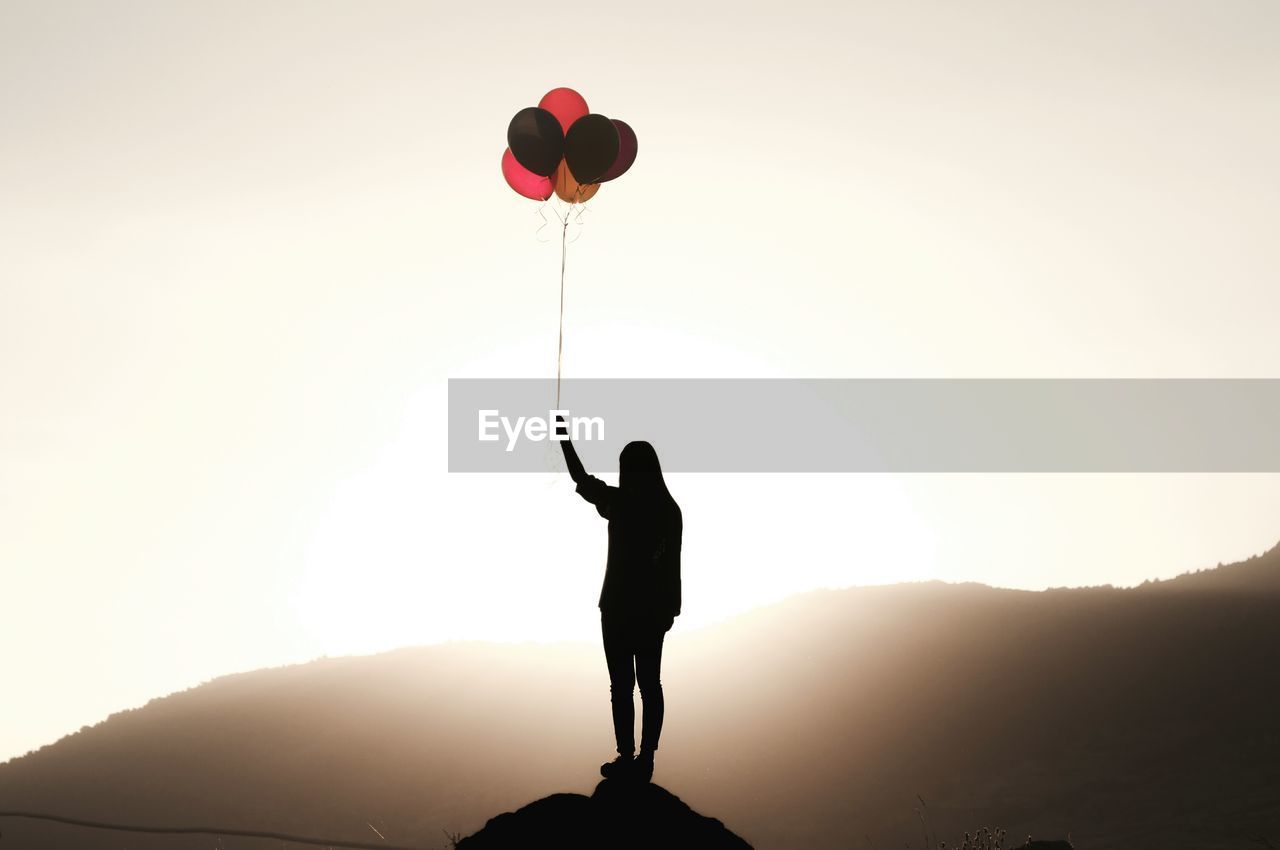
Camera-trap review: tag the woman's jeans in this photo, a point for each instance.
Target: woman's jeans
(633, 651)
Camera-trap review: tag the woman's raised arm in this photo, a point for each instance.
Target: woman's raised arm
(577, 471)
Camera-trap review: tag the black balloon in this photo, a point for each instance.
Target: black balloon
(536, 140)
(590, 147)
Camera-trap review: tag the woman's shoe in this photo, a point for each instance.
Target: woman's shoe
(619, 767)
(643, 766)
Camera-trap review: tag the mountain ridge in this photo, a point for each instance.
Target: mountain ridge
(1259, 572)
(807, 723)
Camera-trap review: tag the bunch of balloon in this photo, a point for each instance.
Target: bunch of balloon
(561, 148)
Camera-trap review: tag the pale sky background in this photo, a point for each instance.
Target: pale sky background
(244, 244)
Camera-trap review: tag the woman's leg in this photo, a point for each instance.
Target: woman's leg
(619, 656)
(649, 673)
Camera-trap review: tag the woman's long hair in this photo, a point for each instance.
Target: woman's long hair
(640, 477)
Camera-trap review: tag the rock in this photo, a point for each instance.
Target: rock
(617, 815)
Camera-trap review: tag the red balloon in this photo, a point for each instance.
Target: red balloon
(566, 105)
(524, 181)
(627, 148)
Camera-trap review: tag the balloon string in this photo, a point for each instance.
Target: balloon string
(564, 229)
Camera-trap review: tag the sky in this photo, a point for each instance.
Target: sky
(244, 245)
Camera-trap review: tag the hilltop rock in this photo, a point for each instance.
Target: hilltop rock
(618, 814)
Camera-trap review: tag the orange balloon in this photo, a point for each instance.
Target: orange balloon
(569, 190)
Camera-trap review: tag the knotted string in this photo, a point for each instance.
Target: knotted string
(572, 213)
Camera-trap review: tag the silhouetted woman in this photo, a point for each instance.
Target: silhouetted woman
(641, 594)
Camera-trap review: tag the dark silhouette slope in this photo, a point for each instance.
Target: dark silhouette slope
(618, 814)
(1258, 574)
(1123, 717)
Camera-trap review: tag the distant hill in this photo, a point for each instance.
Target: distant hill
(1259, 574)
(1139, 717)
